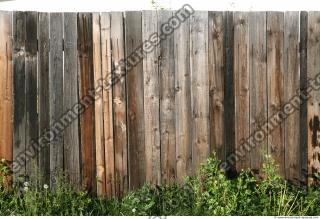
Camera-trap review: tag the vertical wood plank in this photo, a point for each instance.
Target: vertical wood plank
(44, 116)
(275, 77)
(135, 113)
(216, 86)
(56, 93)
(6, 78)
(99, 134)
(258, 84)
(313, 66)
(107, 103)
(199, 88)
(183, 100)
(86, 77)
(119, 103)
(167, 100)
(151, 101)
(292, 83)
(241, 92)
(19, 123)
(32, 122)
(70, 97)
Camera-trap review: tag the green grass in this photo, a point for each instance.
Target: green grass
(209, 193)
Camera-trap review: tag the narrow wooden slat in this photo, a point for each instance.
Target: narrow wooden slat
(183, 100)
(199, 88)
(167, 100)
(86, 77)
(32, 122)
(241, 92)
(119, 104)
(275, 77)
(6, 78)
(56, 94)
(151, 101)
(19, 123)
(313, 66)
(292, 83)
(107, 103)
(44, 117)
(258, 85)
(99, 134)
(70, 97)
(216, 86)
(135, 113)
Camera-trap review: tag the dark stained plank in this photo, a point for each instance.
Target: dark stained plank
(241, 86)
(119, 104)
(107, 103)
(85, 68)
(292, 83)
(183, 101)
(167, 102)
(19, 114)
(135, 113)
(32, 121)
(44, 117)
(56, 94)
(216, 86)
(199, 88)
(275, 77)
(70, 97)
(258, 85)
(151, 101)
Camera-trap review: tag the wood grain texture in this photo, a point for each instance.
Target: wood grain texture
(167, 102)
(258, 86)
(119, 103)
(183, 101)
(135, 111)
(275, 77)
(70, 97)
(241, 86)
(19, 114)
(56, 94)
(107, 103)
(216, 87)
(86, 76)
(151, 100)
(199, 88)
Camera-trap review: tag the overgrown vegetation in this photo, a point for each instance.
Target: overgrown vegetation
(209, 193)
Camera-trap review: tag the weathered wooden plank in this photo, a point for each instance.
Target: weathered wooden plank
(86, 77)
(199, 88)
(56, 94)
(292, 83)
(135, 113)
(32, 122)
(167, 102)
(44, 117)
(216, 79)
(258, 86)
(6, 78)
(241, 86)
(275, 77)
(107, 103)
(313, 66)
(151, 100)
(99, 134)
(19, 123)
(183, 101)
(71, 136)
(119, 104)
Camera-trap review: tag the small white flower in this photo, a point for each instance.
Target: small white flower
(45, 186)
(26, 188)
(134, 210)
(26, 184)
(3, 160)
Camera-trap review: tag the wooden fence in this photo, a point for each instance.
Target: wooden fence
(207, 87)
